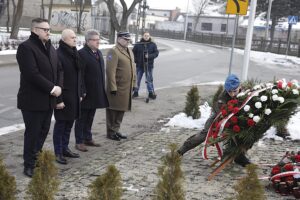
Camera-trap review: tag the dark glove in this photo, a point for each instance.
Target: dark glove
(113, 93)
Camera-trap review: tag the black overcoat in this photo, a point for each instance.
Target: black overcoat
(94, 80)
(40, 72)
(72, 83)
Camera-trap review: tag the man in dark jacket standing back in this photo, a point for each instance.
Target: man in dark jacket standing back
(68, 104)
(94, 79)
(39, 86)
(144, 54)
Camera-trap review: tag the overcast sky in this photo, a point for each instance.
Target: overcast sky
(165, 4)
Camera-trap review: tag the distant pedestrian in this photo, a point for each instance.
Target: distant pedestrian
(120, 70)
(145, 52)
(40, 84)
(95, 97)
(68, 104)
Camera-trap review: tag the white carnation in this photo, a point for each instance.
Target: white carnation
(295, 92)
(274, 91)
(246, 108)
(258, 105)
(281, 99)
(256, 118)
(284, 85)
(268, 111)
(263, 98)
(275, 97)
(269, 85)
(251, 115)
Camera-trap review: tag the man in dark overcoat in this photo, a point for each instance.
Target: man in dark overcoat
(68, 104)
(94, 79)
(120, 71)
(39, 86)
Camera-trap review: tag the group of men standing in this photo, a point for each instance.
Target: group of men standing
(72, 84)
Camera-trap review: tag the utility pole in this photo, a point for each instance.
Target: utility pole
(141, 14)
(186, 20)
(249, 39)
(268, 22)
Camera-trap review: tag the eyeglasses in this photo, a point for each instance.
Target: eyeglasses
(95, 39)
(44, 29)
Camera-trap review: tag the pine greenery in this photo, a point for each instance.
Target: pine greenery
(249, 187)
(280, 126)
(192, 103)
(170, 186)
(217, 94)
(7, 183)
(44, 183)
(108, 186)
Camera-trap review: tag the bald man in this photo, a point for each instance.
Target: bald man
(68, 104)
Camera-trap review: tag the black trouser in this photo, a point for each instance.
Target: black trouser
(83, 125)
(198, 138)
(37, 125)
(114, 119)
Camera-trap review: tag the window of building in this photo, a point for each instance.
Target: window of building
(223, 27)
(206, 26)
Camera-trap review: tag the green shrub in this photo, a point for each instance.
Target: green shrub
(170, 186)
(108, 186)
(44, 183)
(192, 103)
(249, 187)
(7, 183)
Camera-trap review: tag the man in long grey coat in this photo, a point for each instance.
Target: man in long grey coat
(120, 76)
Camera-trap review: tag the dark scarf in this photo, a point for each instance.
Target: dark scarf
(71, 51)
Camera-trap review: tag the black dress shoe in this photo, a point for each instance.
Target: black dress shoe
(113, 137)
(120, 135)
(61, 159)
(70, 154)
(28, 171)
(242, 160)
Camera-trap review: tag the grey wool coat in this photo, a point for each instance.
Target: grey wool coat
(120, 77)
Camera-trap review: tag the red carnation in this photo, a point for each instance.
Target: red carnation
(224, 112)
(227, 124)
(289, 167)
(297, 158)
(236, 128)
(276, 170)
(250, 122)
(234, 119)
(279, 84)
(230, 107)
(235, 110)
(290, 84)
(234, 101)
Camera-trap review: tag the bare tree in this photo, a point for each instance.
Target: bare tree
(50, 10)
(17, 14)
(8, 16)
(42, 14)
(115, 24)
(80, 5)
(199, 6)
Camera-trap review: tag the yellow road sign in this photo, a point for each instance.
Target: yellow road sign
(239, 7)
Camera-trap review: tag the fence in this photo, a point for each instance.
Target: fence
(277, 46)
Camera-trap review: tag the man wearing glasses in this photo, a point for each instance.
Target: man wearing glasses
(95, 96)
(120, 71)
(40, 84)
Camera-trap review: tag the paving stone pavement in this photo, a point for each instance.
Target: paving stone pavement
(138, 157)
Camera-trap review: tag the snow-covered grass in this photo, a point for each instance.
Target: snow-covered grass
(181, 120)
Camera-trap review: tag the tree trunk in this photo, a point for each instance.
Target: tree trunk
(274, 22)
(50, 11)
(42, 15)
(8, 17)
(16, 20)
(112, 37)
